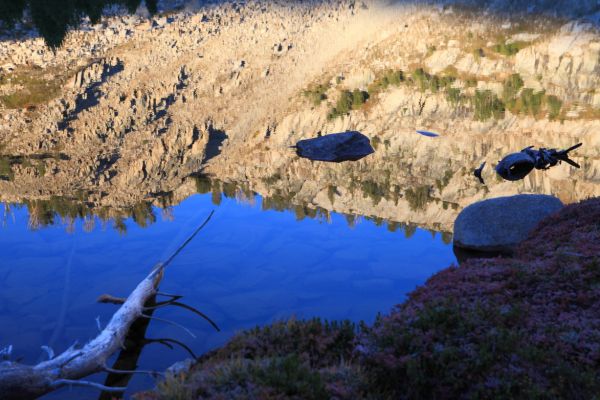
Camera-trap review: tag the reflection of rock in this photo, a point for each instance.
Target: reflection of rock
(501, 223)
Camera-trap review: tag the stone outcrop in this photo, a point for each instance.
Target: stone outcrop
(500, 224)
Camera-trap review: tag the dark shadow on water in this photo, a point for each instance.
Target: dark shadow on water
(462, 255)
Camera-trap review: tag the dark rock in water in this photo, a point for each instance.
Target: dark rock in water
(463, 255)
(498, 225)
(337, 147)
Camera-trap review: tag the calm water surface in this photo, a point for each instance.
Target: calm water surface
(247, 267)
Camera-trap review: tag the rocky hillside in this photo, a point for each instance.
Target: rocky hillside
(128, 111)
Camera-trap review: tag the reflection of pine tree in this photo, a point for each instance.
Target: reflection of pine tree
(120, 225)
(70, 223)
(11, 10)
(167, 214)
(54, 18)
(351, 220)
(89, 223)
(143, 214)
(409, 230)
(33, 223)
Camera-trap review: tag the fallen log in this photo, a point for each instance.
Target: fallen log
(20, 381)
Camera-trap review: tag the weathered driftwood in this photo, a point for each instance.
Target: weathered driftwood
(20, 381)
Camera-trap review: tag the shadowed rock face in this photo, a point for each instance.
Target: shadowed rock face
(500, 224)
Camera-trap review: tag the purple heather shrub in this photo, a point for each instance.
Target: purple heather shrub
(286, 360)
(526, 327)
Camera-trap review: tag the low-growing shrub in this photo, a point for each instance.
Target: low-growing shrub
(511, 88)
(525, 327)
(509, 49)
(387, 78)
(373, 190)
(487, 105)
(6, 172)
(316, 93)
(529, 102)
(348, 101)
(454, 97)
(554, 105)
(418, 197)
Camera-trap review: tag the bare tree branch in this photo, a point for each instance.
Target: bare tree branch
(20, 381)
(137, 371)
(167, 342)
(171, 323)
(190, 308)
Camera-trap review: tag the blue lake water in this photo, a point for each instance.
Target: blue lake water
(247, 267)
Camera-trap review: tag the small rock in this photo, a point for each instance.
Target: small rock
(180, 366)
(500, 224)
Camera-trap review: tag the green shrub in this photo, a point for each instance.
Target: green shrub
(6, 171)
(489, 329)
(434, 83)
(203, 184)
(442, 183)
(454, 97)
(421, 79)
(331, 191)
(286, 360)
(373, 190)
(316, 93)
(511, 87)
(387, 78)
(418, 197)
(530, 103)
(229, 190)
(359, 97)
(343, 105)
(554, 105)
(487, 105)
(509, 49)
(348, 101)
(37, 89)
(471, 82)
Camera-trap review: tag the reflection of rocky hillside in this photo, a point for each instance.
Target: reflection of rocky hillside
(125, 114)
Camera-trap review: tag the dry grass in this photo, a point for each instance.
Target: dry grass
(39, 86)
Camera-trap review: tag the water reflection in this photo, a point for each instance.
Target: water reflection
(258, 260)
(65, 211)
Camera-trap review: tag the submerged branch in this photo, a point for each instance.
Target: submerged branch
(167, 342)
(130, 372)
(62, 382)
